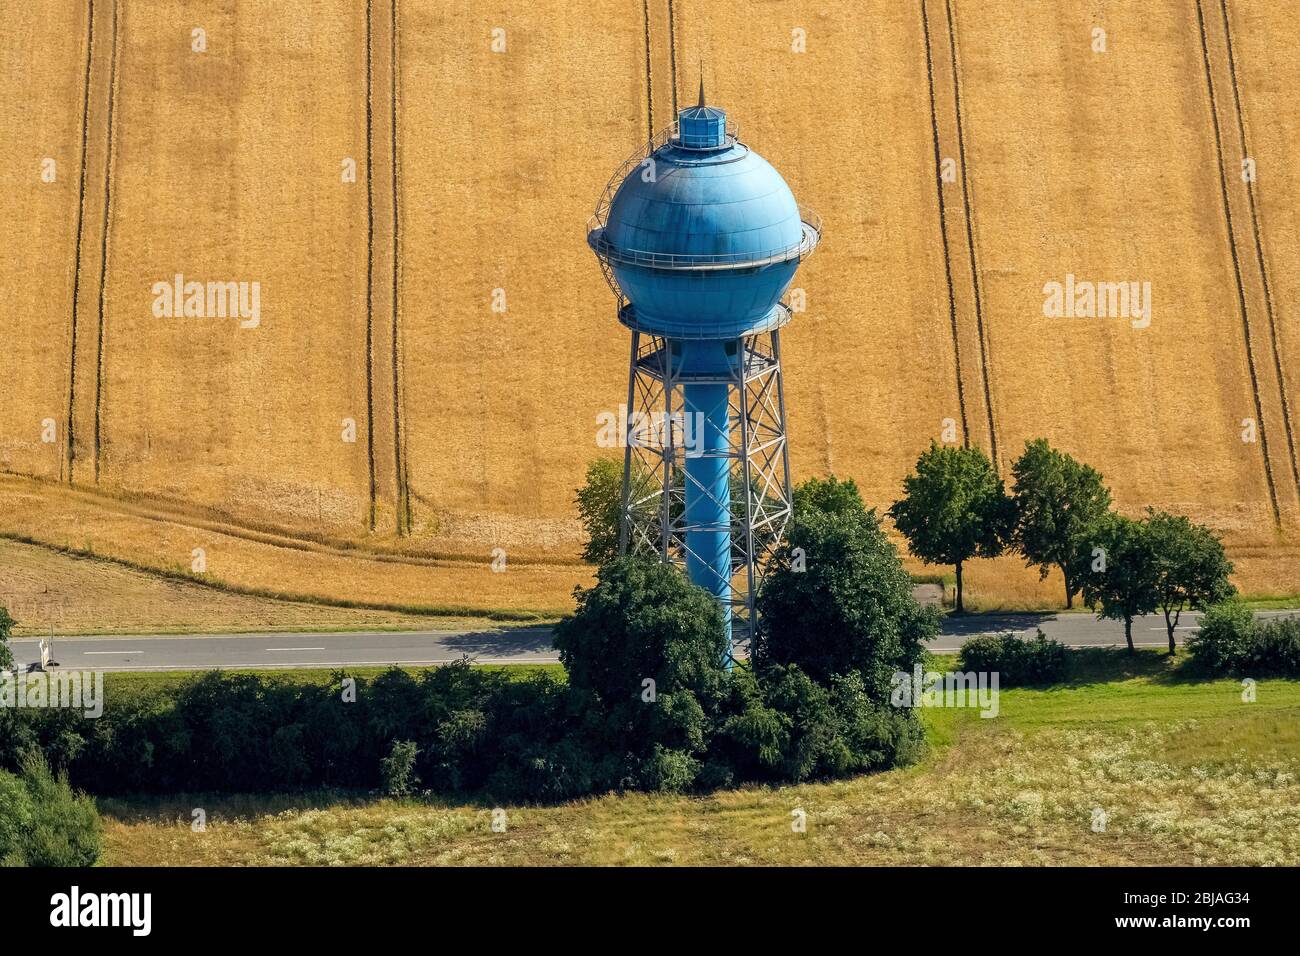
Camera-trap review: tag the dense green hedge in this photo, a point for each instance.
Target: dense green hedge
(473, 731)
(242, 732)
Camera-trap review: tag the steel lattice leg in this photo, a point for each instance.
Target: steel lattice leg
(655, 475)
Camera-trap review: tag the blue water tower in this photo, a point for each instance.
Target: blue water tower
(699, 237)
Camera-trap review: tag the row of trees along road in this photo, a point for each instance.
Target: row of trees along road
(955, 508)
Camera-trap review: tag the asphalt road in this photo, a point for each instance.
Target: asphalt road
(1073, 629)
(279, 649)
(528, 645)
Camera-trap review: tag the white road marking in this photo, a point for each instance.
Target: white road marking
(294, 649)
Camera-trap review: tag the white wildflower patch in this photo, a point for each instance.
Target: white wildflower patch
(1026, 805)
(1241, 811)
(357, 837)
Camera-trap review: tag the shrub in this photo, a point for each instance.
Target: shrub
(43, 822)
(1231, 641)
(1276, 647)
(644, 621)
(466, 723)
(549, 770)
(813, 747)
(879, 736)
(398, 769)
(669, 771)
(141, 743)
(6, 628)
(15, 819)
(789, 727)
(461, 730)
(1223, 640)
(542, 752)
(753, 738)
(17, 735)
(1017, 662)
(847, 606)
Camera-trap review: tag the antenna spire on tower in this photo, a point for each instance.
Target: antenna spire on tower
(701, 103)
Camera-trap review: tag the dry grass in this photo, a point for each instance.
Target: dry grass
(46, 589)
(399, 579)
(1186, 774)
(290, 569)
(500, 158)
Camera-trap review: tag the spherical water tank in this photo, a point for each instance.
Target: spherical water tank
(704, 236)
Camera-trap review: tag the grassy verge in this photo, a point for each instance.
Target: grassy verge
(1183, 769)
(1272, 602)
(129, 681)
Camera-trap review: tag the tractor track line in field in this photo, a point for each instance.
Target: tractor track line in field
(943, 227)
(649, 81)
(399, 435)
(318, 600)
(370, 261)
(672, 50)
(1259, 249)
(281, 537)
(1236, 265)
(68, 437)
(103, 246)
(970, 235)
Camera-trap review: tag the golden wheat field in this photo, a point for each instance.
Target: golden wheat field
(412, 393)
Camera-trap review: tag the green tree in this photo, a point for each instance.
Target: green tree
(1057, 499)
(600, 505)
(644, 652)
(1191, 569)
(6, 628)
(954, 508)
(1122, 575)
(840, 602)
